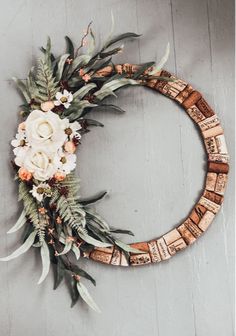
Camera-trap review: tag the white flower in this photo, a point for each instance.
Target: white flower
(21, 147)
(67, 163)
(44, 129)
(64, 98)
(71, 129)
(41, 163)
(41, 190)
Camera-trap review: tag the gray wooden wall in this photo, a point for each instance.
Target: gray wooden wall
(151, 160)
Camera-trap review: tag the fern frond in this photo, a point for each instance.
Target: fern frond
(38, 220)
(45, 81)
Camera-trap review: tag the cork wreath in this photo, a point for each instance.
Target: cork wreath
(58, 94)
(205, 210)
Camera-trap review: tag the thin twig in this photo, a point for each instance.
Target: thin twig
(83, 38)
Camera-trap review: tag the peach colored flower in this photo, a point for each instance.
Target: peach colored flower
(70, 147)
(42, 211)
(47, 106)
(21, 126)
(81, 72)
(59, 176)
(24, 174)
(58, 220)
(86, 77)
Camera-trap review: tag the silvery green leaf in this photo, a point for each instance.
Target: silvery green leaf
(87, 297)
(119, 38)
(84, 90)
(126, 247)
(93, 199)
(20, 222)
(69, 46)
(98, 219)
(92, 241)
(162, 62)
(67, 248)
(61, 65)
(60, 272)
(113, 85)
(23, 248)
(92, 122)
(101, 94)
(22, 87)
(80, 61)
(76, 251)
(45, 261)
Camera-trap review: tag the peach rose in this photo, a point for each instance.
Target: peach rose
(47, 106)
(59, 176)
(70, 147)
(24, 174)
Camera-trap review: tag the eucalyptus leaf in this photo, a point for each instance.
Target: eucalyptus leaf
(92, 122)
(83, 274)
(69, 46)
(92, 241)
(45, 256)
(73, 291)
(60, 272)
(61, 65)
(67, 248)
(84, 90)
(87, 297)
(76, 251)
(93, 199)
(126, 247)
(162, 62)
(119, 38)
(22, 88)
(20, 222)
(23, 248)
(80, 61)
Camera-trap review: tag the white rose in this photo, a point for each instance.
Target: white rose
(41, 163)
(45, 129)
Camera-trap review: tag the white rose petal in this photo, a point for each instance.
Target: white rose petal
(45, 129)
(41, 163)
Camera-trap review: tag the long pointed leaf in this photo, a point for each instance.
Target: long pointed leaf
(45, 261)
(92, 241)
(23, 248)
(162, 62)
(84, 90)
(20, 222)
(87, 297)
(61, 65)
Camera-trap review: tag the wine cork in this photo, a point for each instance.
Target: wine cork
(205, 108)
(186, 234)
(163, 249)
(209, 205)
(176, 246)
(184, 94)
(206, 220)
(193, 228)
(209, 123)
(154, 252)
(212, 132)
(221, 144)
(116, 257)
(216, 167)
(100, 256)
(212, 196)
(197, 213)
(192, 100)
(211, 146)
(211, 181)
(220, 158)
(195, 114)
(221, 183)
(140, 259)
(171, 236)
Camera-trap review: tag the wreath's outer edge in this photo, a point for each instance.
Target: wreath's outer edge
(206, 208)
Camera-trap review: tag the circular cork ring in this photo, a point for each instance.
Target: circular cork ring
(205, 210)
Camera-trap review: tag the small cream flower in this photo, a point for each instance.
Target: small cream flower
(64, 99)
(67, 163)
(71, 129)
(40, 191)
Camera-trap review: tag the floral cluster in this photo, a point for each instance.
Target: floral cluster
(45, 145)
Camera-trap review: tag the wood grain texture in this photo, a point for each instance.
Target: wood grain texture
(186, 295)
